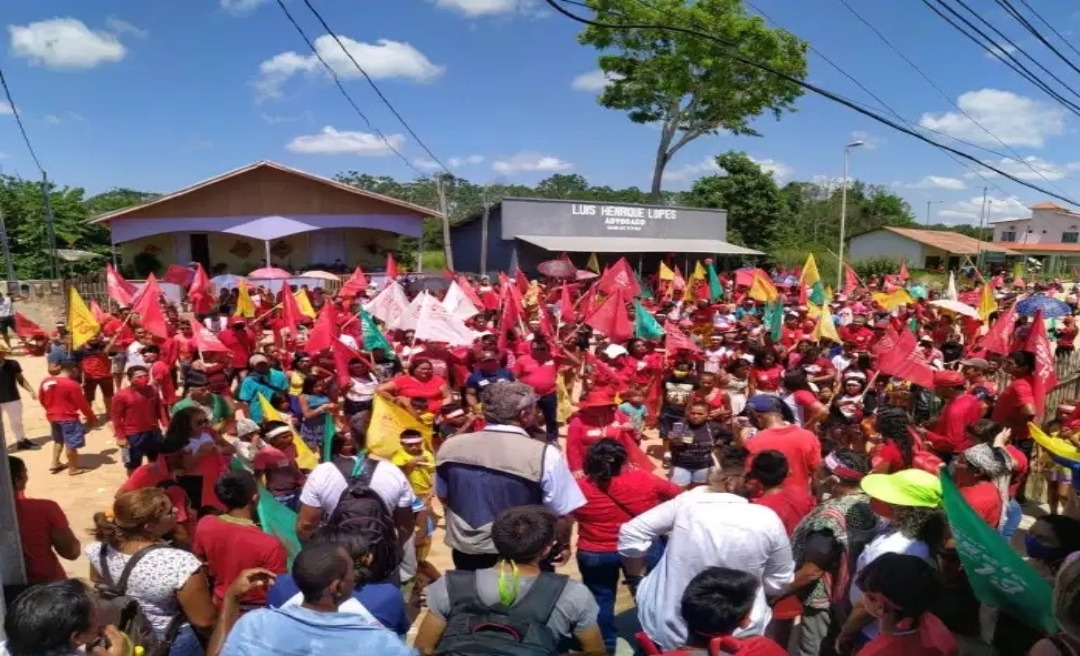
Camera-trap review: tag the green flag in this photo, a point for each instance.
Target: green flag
(373, 337)
(716, 290)
(774, 319)
(999, 577)
(817, 294)
(645, 325)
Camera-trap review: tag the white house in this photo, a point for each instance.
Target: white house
(1051, 235)
(922, 249)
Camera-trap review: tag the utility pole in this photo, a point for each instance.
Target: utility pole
(50, 224)
(982, 223)
(484, 235)
(7, 253)
(440, 188)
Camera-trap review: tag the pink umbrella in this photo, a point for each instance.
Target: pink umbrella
(270, 273)
(582, 274)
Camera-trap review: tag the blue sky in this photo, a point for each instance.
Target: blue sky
(156, 96)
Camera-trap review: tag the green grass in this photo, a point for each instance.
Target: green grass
(434, 261)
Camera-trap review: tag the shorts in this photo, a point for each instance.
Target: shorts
(69, 433)
(7, 323)
(145, 444)
(119, 361)
(680, 476)
(91, 385)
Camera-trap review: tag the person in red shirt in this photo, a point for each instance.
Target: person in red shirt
(137, 417)
(614, 494)
(161, 473)
(233, 542)
(766, 374)
(898, 591)
(947, 434)
(44, 532)
(801, 447)
(768, 471)
(241, 343)
(62, 397)
(95, 365)
(160, 375)
(982, 474)
(539, 370)
(1015, 406)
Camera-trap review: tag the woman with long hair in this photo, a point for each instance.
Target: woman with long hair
(315, 408)
(897, 448)
(207, 454)
(614, 494)
(169, 584)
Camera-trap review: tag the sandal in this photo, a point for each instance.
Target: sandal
(79, 471)
(56, 469)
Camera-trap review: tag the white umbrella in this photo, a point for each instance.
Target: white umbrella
(322, 275)
(957, 307)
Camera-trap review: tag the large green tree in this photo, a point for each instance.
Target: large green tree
(756, 209)
(689, 85)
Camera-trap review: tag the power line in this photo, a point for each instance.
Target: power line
(806, 85)
(1014, 154)
(374, 86)
(1020, 18)
(344, 92)
(18, 121)
(1051, 27)
(888, 107)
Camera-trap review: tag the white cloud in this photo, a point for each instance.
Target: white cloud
(779, 170)
(6, 108)
(52, 119)
(65, 43)
(118, 27)
(1031, 167)
(593, 81)
(529, 162)
(468, 160)
(999, 51)
(383, 59)
(1015, 120)
(708, 166)
(938, 182)
(997, 206)
(478, 8)
(344, 142)
(241, 6)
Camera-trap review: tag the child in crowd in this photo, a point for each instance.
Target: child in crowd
(418, 464)
(276, 460)
(633, 406)
(247, 443)
(898, 590)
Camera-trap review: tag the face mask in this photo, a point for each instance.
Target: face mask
(680, 374)
(140, 382)
(1039, 551)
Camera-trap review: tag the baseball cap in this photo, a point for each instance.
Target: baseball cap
(975, 363)
(910, 487)
(948, 378)
(245, 426)
(614, 350)
(765, 403)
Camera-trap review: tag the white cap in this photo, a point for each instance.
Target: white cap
(615, 350)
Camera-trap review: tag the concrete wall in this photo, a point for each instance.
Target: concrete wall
(883, 243)
(1043, 227)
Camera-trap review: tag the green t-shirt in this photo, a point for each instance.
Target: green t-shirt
(219, 409)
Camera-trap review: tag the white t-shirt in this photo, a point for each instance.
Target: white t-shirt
(325, 484)
(889, 542)
(135, 356)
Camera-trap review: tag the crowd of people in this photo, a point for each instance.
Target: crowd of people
(746, 487)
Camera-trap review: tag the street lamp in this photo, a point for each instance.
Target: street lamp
(843, 213)
(928, 204)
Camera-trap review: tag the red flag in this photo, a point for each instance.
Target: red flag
(566, 304)
(903, 275)
(603, 375)
(148, 307)
(118, 289)
(356, 283)
(25, 328)
(391, 267)
(101, 316)
(851, 281)
(178, 275)
(343, 355)
(620, 276)
(290, 311)
(678, 283)
(546, 329)
(521, 280)
(447, 274)
(205, 340)
(906, 362)
(470, 292)
(199, 293)
(999, 338)
(886, 343)
(611, 318)
(1044, 378)
(325, 332)
(675, 339)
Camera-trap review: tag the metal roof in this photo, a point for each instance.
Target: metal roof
(950, 242)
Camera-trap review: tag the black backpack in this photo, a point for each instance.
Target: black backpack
(475, 629)
(361, 511)
(116, 607)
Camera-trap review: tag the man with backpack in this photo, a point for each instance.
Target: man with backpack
(522, 609)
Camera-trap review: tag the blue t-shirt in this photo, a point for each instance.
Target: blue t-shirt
(479, 380)
(266, 384)
(382, 600)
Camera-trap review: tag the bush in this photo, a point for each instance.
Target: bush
(875, 266)
(145, 264)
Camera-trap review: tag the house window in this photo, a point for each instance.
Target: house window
(933, 262)
(1070, 237)
(1009, 236)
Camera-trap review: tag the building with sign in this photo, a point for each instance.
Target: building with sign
(523, 232)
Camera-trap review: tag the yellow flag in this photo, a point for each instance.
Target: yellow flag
(987, 303)
(829, 293)
(665, 272)
(810, 275)
(593, 264)
(698, 276)
(825, 328)
(894, 299)
(80, 320)
(813, 311)
(762, 289)
(244, 306)
(387, 422)
(303, 303)
(305, 457)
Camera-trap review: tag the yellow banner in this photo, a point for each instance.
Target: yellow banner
(303, 303)
(244, 306)
(305, 457)
(387, 422)
(80, 320)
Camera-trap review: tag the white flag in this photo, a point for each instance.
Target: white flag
(458, 304)
(950, 291)
(388, 305)
(407, 320)
(436, 324)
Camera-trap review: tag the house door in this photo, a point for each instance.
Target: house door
(326, 246)
(200, 249)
